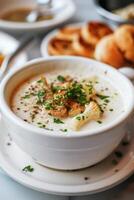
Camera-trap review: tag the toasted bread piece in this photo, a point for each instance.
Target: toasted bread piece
(92, 32)
(60, 47)
(108, 52)
(68, 33)
(124, 37)
(82, 48)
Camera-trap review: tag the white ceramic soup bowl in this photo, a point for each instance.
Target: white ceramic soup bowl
(62, 151)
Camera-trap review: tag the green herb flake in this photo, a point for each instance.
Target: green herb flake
(86, 178)
(58, 121)
(57, 88)
(48, 105)
(78, 118)
(40, 81)
(77, 93)
(83, 117)
(28, 168)
(118, 154)
(106, 101)
(60, 78)
(63, 130)
(27, 96)
(41, 95)
(40, 125)
(125, 143)
(102, 97)
(99, 122)
(114, 162)
(111, 110)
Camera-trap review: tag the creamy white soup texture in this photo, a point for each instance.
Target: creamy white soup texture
(64, 102)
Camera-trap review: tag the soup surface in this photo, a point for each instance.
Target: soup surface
(20, 15)
(59, 101)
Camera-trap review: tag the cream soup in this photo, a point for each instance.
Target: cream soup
(58, 101)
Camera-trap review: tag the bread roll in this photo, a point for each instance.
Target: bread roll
(92, 32)
(108, 52)
(124, 37)
(60, 47)
(68, 33)
(82, 48)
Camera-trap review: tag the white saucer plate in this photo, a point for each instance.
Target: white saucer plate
(110, 172)
(7, 45)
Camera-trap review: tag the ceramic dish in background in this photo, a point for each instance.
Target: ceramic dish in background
(105, 9)
(7, 45)
(56, 150)
(15, 27)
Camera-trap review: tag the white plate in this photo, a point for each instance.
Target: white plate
(7, 45)
(98, 178)
(66, 13)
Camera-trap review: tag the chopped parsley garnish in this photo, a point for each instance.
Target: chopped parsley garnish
(99, 122)
(58, 121)
(78, 118)
(100, 107)
(40, 125)
(90, 88)
(102, 97)
(48, 105)
(63, 130)
(60, 78)
(40, 81)
(56, 88)
(125, 143)
(27, 96)
(114, 162)
(28, 168)
(111, 110)
(41, 95)
(118, 154)
(77, 93)
(83, 117)
(106, 100)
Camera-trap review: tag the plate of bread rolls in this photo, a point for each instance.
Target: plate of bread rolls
(95, 40)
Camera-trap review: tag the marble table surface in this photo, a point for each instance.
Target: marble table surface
(10, 190)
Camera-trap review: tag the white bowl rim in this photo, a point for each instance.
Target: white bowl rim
(35, 130)
(42, 24)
